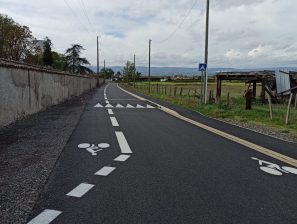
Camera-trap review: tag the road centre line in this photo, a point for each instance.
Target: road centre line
(124, 146)
(105, 96)
(122, 158)
(110, 112)
(105, 171)
(80, 190)
(114, 122)
(45, 217)
(258, 148)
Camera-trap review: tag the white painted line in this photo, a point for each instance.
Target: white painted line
(108, 106)
(149, 106)
(80, 190)
(105, 171)
(119, 106)
(114, 122)
(122, 158)
(45, 217)
(139, 106)
(129, 106)
(125, 148)
(105, 96)
(110, 112)
(98, 105)
(106, 101)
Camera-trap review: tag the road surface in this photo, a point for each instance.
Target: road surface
(129, 162)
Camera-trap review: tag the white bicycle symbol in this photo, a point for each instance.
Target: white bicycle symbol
(91, 148)
(274, 169)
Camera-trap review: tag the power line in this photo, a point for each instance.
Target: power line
(180, 24)
(76, 17)
(86, 15)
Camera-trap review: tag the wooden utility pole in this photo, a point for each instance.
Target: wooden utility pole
(104, 70)
(134, 69)
(97, 55)
(150, 65)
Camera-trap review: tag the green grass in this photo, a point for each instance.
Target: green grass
(235, 111)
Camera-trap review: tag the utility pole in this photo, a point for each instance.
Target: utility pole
(134, 70)
(97, 55)
(104, 70)
(206, 51)
(150, 65)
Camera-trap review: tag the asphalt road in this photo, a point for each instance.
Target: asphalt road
(155, 168)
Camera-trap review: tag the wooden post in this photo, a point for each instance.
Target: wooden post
(195, 92)
(288, 110)
(270, 106)
(189, 91)
(219, 87)
(263, 90)
(228, 99)
(254, 89)
(175, 91)
(157, 88)
(181, 91)
(165, 90)
(170, 91)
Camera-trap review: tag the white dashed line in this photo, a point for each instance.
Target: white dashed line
(106, 101)
(114, 122)
(80, 190)
(122, 158)
(105, 171)
(110, 112)
(125, 148)
(45, 217)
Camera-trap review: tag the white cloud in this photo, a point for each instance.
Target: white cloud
(261, 31)
(232, 54)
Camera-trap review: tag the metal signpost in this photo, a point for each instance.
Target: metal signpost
(202, 69)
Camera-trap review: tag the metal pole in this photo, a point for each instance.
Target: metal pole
(134, 71)
(150, 65)
(206, 51)
(97, 55)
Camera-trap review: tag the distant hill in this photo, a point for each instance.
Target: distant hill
(171, 71)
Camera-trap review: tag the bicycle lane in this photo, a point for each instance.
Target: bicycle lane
(92, 146)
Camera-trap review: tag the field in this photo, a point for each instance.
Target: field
(233, 108)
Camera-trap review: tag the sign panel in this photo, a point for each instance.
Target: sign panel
(202, 67)
(282, 82)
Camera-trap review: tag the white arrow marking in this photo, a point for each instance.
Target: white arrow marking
(129, 106)
(108, 106)
(149, 106)
(119, 106)
(139, 106)
(98, 105)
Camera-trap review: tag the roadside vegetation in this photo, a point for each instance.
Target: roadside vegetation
(18, 44)
(230, 107)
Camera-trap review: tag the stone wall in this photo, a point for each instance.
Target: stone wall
(26, 89)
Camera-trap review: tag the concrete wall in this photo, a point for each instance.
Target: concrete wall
(25, 90)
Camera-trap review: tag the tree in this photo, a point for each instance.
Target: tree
(75, 63)
(128, 71)
(108, 73)
(59, 61)
(47, 57)
(16, 41)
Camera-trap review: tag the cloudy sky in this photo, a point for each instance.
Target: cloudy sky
(243, 33)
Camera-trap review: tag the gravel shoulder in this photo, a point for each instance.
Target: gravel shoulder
(29, 150)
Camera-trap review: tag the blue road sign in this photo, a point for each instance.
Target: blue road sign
(202, 67)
